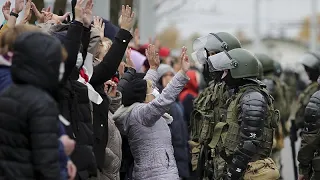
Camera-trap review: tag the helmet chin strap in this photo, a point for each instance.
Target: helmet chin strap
(225, 73)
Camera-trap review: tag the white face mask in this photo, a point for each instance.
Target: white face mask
(79, 60)
(155, 93)
(61, 71)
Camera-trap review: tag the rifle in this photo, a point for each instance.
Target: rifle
(293, 139)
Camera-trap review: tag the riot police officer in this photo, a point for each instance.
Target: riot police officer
(243, 134)
(206, 103)
(308, 156)
(278, 89)
(311, 64)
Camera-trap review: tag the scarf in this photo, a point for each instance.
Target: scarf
(84, 77)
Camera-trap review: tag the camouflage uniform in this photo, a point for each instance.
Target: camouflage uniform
(308, 155)
(241, 128)
(209, 103)
(278, 89)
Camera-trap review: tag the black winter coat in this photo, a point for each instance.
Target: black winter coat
(180, 138)
(75, 105)
(29, 124)
(102, 73)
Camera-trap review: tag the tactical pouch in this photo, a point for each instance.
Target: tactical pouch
(195, 154)
(275, 118)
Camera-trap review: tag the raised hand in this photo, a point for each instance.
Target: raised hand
(19, 4)
(6, 9)
(126, 18)
(136, 38)
(121, 69)
(87, 16)
(47, 16)
(99, 25)
(27, 12)
(40, 15)
(110, 88)
(153, 57)
(128, 58)
(184, 59)
(60, 19)
(79, 11)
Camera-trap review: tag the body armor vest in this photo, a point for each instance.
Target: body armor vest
(298, 107)
(215, 123)
(226, 133)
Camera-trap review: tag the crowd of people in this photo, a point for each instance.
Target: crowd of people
(81, 98)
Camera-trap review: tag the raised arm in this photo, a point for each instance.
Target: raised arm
(150, 113)
(107, 68)
(73, 40)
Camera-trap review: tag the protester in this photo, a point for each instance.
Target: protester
(103, 72)
(189, 93)
(113, 154)
(5, 59)
(142, 117)
(29, 112)
(178, 127)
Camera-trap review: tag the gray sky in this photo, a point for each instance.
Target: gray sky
(199, 15)
(205, 16)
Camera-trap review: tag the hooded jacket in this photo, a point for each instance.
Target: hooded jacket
(29, 114)
(148, 133)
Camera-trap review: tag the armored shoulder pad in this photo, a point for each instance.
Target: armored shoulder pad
(253, 107)
(312, 111)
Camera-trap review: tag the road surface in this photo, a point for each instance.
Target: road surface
(286, 155)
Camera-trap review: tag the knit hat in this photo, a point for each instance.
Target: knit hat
(110, 30)
(164, 52)
(137, 59)
(163, 69)
(134, 91)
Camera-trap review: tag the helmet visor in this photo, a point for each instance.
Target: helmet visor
(199, 56)
(210, 42)
(222, 61)
(309, 60)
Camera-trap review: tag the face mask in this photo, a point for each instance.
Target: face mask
(79, 60)
(155, 93)
(61, 71)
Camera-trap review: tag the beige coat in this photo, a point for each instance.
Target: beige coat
(113, 154)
